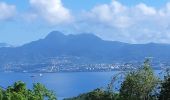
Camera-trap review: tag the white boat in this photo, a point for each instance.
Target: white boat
(40, 75)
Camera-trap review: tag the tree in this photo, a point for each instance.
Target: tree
(42, 92)
(165, 89)
(1, 94)
(139, 85)
(19, 92)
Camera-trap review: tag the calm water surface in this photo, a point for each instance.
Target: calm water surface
(63, 84)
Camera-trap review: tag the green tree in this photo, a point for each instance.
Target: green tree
(42, 92)
(1, 94)
(139, 85)
(19, 92)
(165, 89)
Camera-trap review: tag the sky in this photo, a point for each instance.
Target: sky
(130, 21)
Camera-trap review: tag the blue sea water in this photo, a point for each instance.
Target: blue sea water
(63, 84)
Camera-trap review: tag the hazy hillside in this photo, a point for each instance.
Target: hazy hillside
(4, 45)
(85, 46)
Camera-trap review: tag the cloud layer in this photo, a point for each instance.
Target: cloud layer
(136, 24)
(113, 21)
(7, 11)
(51, 10)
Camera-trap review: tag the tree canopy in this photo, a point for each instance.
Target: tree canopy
(165, 88)
(19, 91)
(139, 84)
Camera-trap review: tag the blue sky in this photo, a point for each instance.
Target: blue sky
(132, 21)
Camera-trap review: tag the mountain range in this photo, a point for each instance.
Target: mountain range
(5, 45)
(84, 47)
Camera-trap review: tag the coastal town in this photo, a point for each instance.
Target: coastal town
(67, 64)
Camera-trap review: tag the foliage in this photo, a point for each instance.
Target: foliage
(97, 94)
(19, 92)
(139, 85)
(165, 88)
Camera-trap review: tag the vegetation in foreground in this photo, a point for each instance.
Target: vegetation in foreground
(18, 91)
(139, 84)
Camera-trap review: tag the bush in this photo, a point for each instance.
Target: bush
(97, 94)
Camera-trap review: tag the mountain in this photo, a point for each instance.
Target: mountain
(4, 45)
(81, 48)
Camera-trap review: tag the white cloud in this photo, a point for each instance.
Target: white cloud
(6, 11)
(114, 21)
(52, 11)
(133, 24)
(110, 14)
(144, 9)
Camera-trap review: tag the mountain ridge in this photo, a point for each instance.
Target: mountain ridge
(86, 46)
(5, 45)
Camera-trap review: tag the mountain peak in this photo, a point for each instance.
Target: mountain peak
(55, 35)
(85, 36)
